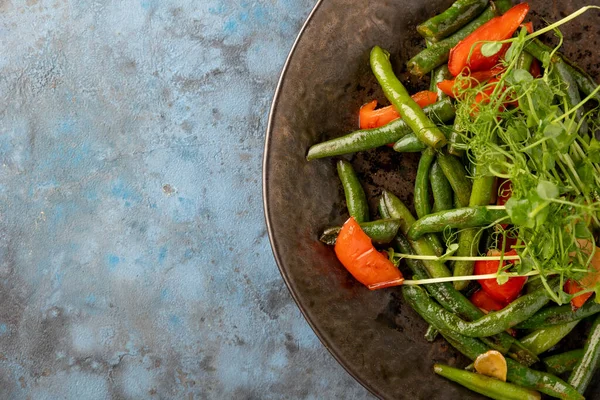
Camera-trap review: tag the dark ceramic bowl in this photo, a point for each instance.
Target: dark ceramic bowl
(374, 335)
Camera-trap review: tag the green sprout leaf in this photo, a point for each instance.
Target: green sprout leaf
(547, 190)
(502, 278)
(548, 161)
(582, 231)
(586, 174)
(490, 49)
(594, 151)
(451, 250)
(553, 130)
(522, 76)
(526, 265)
(518, 210)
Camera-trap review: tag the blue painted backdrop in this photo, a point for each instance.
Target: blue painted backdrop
(134, 261)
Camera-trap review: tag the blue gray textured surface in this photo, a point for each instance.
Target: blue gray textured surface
(134, 260)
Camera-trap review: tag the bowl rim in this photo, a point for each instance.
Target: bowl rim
(272, 240)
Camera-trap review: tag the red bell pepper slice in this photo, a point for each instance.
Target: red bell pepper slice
(573, 287)
(535, 70)
(356, 252)
(484, 96)
(502, 293)
(496, 29)
(484, 301)
(590, 280)
(487, 92)
(528, 26)
(369, 117)
(451, 86)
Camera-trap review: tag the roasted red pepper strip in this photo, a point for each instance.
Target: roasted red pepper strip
(484, 301)
(496, 29)
(502, 293)
(356, 252)
(573, 287)
(369, 117)
(588, 281)
(535, 70)
(451, 87)
(487, 92)
(484, 96)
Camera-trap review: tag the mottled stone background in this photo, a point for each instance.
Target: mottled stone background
(134, 260)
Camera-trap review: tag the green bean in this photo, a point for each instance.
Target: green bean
(431, 334)
(382, 208)
(546, 383)
(557, 315)
(441, 189)
(585, 82)
(356, 199)
(421, 195)
(472, 347)
(421, 192)
(533, 283)
(521, 354)
(366, 139)
(437, 54)
(488, 325)
(444, 293)
(490, 387)
(396, 93)
(454, 301)
(541, 51)
(517, 373)
(436, 244)
(380, 231)
(467, 247)
(457, 176)
(543, 339)
(561, 73)
(460, 13)
(483, 186)
(587, 366)
(563, 362)
(468, 240)
(460, 218)
(501, 6)
(524, 61)
(456, 140)
(397, 209)
(409, 144)
(439, 74)
(455, 199)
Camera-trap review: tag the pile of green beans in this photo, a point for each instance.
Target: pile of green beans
(453, 203)
(437, 54)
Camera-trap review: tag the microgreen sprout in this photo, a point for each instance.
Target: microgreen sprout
(522, 128)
